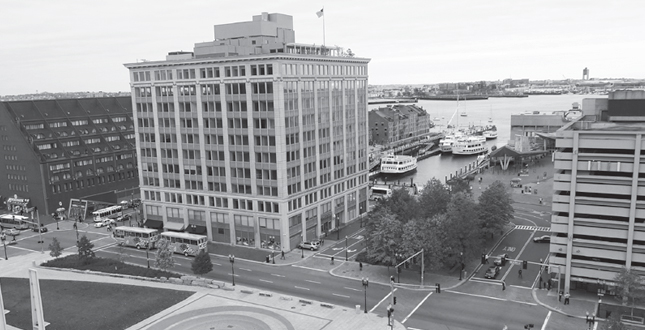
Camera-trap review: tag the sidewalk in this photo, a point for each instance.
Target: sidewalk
(237, 305)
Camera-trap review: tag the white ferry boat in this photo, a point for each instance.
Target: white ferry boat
(398, 164)
(469, 146)
(490, 132)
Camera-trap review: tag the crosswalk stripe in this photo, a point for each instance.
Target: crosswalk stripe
(521, 227)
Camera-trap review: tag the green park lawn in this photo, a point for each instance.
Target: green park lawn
(72, 305)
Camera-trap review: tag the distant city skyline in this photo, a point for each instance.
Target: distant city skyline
(68, 45)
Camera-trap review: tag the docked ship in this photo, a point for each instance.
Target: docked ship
(446, 143)
(398, 164)
(469, 146)
(490, 132)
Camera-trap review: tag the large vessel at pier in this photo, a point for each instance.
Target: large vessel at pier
(469, 145)
(398, 164)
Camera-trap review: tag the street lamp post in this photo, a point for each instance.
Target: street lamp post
(4, 242)
(366, 282)
(231, 258)
(345, 248)
(337, 227)
(302, 247)
(57, 224)
(461, 270)
(76, 228)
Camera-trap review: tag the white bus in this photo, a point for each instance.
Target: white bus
(135, 236)
(14, 221)
(184, 243)
(107, 213)
(380, 193)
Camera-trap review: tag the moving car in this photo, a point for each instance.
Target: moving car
(43, 229)
(542, 239)
(492, 272)
(498, 260)
(104, 223)
(11, 232)
(124, 217)
(313, 245)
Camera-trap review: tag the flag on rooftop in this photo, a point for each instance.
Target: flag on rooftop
(320, 13)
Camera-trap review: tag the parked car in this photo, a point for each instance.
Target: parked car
(11, 232)
(124, 217)
(492, 272)
(498, 260)
(313, 245)
(125, 204)
(542, 239)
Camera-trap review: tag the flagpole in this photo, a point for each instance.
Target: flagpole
(323, 10)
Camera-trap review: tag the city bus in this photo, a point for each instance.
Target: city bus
(185, 243)
(14, 221)
(107, 213)
(135, 236)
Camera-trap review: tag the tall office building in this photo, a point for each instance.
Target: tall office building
(253, 139)
(57, 150)
(598, 208)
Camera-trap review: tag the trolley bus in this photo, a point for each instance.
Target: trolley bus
(107, 213)
(135, 236)
(184, 243)
(15, 221)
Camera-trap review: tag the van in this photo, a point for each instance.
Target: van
(379, 193)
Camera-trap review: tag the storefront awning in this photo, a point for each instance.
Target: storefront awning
(174, 226)
(154, 224)
(196, 229)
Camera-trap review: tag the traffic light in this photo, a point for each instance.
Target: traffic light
(438, 287)
(524, 264)
(395, 300)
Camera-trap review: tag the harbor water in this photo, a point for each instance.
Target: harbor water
(478, 112)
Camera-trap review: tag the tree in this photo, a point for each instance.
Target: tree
(85, 253)
(202, 263)
(403, 205)
(164, 256)
(54, 248)
(421, 234)
(459, 230)
(434, 199)
(495, 208)
(383, 234)
(629, 286)
(458, 185)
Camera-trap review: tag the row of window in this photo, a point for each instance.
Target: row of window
(81, 184)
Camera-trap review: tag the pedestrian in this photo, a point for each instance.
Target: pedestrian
(566, 298)
(282, 255)
(487, 259)
(548, 285)
(519, 272)
(332, 260)
(360, 266)
(503, 286)
(560, 296)
(322, 241)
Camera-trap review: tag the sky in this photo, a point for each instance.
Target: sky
(81, 45)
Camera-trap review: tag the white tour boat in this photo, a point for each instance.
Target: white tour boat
(398, 164)
(490, 134)
(469, 146)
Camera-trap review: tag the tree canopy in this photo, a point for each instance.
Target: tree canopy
(629, 286)
(202, 263)
(164, 256)
(495, 209)
(85, 253)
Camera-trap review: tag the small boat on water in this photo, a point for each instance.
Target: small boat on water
(469, 145)
(398, 164)
(490, 132)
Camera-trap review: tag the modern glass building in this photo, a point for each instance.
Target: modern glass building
(253, 139)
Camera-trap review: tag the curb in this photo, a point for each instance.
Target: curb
(533, 293)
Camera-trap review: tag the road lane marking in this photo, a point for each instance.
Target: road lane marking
(265, 280)
(278, 275)
(234, 275)
(520, 287)
(546, 320)
(415, 309)
(382, 300)
(248, 270)
(352, 289)
(299, 287)
(216, 264)
(310, 281)
(318, 270)
(476, 295)
(340, 295)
